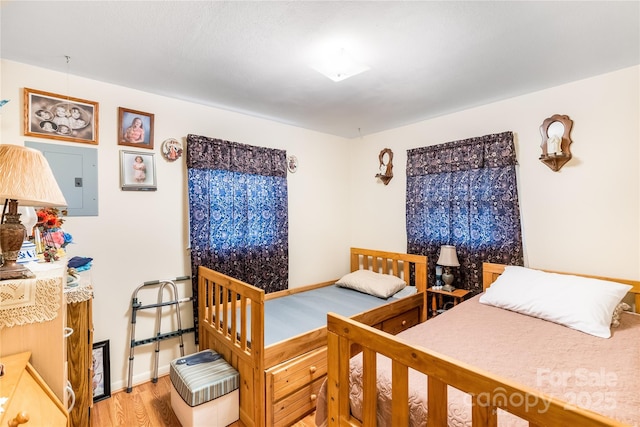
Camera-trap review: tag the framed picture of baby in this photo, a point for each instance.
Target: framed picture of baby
(135, 128)
(48, 115)
(137, 171)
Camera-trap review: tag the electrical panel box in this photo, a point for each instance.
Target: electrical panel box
(76, 170)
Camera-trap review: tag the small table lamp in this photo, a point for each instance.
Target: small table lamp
(26, 179)
(448, 258)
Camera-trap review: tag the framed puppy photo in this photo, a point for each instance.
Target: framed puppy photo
(48, 115)
(137, 171)
(135, 128)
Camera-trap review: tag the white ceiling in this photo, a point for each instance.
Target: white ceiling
(427, 58)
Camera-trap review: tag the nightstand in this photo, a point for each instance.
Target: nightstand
(437, 295)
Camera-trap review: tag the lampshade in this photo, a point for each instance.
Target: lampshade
(27, 178)
(448, 256)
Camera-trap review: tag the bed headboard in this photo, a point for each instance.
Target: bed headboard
(410, 267)
(490, 272)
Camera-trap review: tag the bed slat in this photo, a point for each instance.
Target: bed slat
(400, 398)
(369, 388)
(483, 415)
(436, 402)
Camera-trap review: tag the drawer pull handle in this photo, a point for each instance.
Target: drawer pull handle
(312, 369)
(21, 418)
(404, 322)
(72, 396)
(313, 397)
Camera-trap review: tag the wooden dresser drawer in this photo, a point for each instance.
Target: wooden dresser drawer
(290, 409)
(290, 376)
(402, 321)
(27, 392)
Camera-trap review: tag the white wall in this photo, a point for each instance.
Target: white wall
(573, 220)
(584, 218)
(141, 236)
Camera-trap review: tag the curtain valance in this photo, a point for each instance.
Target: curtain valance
(489, 151)
(211, 153)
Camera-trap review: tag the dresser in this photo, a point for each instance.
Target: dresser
(28, 395)
(79, 301)
(53, 323)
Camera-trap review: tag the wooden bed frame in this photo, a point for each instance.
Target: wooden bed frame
(279, 383)
(347, 337)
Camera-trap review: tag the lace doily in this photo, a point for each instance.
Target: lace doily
(79, 294)
(20, 304)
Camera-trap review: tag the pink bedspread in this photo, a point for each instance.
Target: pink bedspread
(602, 375)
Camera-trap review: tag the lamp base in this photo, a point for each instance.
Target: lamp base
(12, 235)
(447, 278)
(15, 271)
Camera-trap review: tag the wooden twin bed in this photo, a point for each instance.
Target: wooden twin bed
(472, 382)
(280, 376)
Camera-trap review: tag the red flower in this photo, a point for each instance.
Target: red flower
(48, 218)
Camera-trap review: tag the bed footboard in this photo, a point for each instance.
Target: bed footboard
(236, 334)
(488, 392)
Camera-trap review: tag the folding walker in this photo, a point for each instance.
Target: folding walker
(159, 336)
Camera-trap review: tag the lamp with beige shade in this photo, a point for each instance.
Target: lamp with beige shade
(27, 179)
(448, 258)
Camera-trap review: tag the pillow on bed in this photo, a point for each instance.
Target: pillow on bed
(579, 303)
(372, 283)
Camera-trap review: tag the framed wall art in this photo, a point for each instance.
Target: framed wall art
(137, 171)
(171, 149)
(65, 118)
(101, 383)
(135, 128)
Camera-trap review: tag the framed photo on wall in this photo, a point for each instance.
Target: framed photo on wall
(65, 118)
(137, 171)
(135, 128)
(101, 383)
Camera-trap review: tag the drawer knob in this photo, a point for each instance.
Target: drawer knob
(313, 397)
(21, 418)
(312, 369)
(404, 322)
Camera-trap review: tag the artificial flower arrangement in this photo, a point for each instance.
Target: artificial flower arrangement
(54, 238)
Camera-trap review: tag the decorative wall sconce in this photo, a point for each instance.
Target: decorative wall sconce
(292, 164)
(386, 165)
(556, 140)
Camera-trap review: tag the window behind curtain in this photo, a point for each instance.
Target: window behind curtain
(464, 193)
(238, 212)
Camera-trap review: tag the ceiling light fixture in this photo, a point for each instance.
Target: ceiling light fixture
(339, 65)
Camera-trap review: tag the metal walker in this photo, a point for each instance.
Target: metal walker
(159, 336)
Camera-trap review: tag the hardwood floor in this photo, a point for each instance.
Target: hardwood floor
(148, 405)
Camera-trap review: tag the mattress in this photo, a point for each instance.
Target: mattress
(295, 314)
(599, 374)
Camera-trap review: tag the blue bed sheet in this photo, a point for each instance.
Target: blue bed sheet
(295, 314)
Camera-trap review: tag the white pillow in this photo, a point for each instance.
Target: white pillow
(372, 283)
(580, 303)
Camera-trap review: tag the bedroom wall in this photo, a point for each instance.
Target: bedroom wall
(584, 218)
(140, 236)
(572, 219)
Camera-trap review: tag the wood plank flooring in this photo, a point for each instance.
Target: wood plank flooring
(148, 405)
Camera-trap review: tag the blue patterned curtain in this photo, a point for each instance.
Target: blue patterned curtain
(464, 193)
(238, 212)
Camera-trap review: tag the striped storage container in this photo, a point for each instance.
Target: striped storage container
(202, 377)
